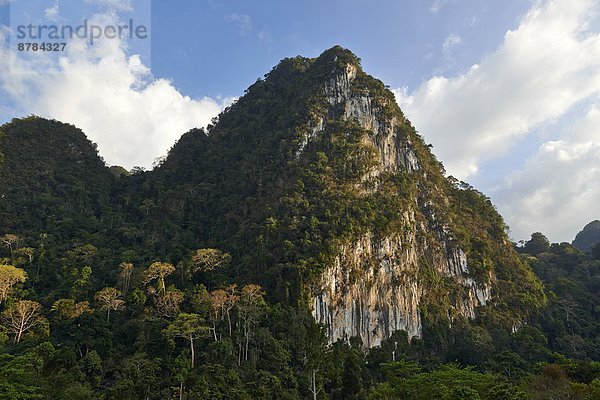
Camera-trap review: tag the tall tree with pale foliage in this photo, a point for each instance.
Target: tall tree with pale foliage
(158, 271)
(9, 240)
(108, 300)
(9, 277)
(209, 259)
(167, 304)
(251, 305)
(125, 275)
(21, 317)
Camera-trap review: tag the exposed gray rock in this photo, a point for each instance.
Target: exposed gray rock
(374, 286)
(395, 152)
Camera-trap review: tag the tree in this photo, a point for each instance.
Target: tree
(82, 281)
(538, 244)
(200, 301)
(232, 299)
(91, 364)
(147, 204)
(26, 252)
(22, 377)
(250, 307)
(125, 275)
(189, 327)
(108, 299)
(352, 385)
(218, 305)
(315, 355)
(68, 309)
(207, 260)
(9, 240)
(167, 304)
(158, 271)
(552, 384)
(138, 378)
(9, 277)
(223, 301)
(21, 317)
(82, 254)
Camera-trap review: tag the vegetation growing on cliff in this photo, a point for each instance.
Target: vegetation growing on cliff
(190, 281)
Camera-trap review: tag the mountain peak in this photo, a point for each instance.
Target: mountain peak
(587, 237)
(320, 190)
(339, 56)
(51, 172)
(321, 180)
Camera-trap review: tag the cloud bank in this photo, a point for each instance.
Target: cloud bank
(544, 69)
(109, 94)
(557, 191)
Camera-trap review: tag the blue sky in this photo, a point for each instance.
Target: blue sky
(508, 92)
(400, 42)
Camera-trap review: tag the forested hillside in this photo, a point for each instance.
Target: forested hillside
(201, 278)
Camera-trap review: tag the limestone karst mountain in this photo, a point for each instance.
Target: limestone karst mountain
(319, 188)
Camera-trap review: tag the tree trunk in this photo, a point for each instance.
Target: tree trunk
(246, 351)
(314, 382)
(192, 348)
(127, 277)
(312, 387)
(229, 322)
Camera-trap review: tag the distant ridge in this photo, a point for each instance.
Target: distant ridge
(587, 237)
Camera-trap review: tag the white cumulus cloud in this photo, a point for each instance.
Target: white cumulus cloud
(557, 191)
(110, 95)
(544, 67)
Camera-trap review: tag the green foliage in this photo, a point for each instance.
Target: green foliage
(596, 251)
(267, 195)
(22, 376)
(587, 237)
(537, 245)
(352, 385)
(572, 318)
(52, 178)
(448, 382)
(9, 277)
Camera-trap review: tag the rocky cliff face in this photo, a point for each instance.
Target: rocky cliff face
(396, 152)
(376, 286)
